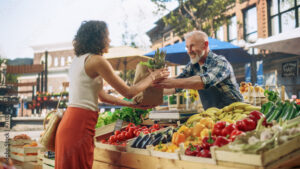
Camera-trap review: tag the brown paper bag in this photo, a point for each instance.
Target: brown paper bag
(151, 96)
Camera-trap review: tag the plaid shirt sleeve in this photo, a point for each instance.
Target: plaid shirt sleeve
(185, 73)
(219, 71)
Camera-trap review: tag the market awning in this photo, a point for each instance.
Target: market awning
(286, 42)
(125, 57)
(177, 53)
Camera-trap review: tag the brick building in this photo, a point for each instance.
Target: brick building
(249, 21)
(60, 56)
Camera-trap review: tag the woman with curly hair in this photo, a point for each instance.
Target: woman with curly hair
(74, 144)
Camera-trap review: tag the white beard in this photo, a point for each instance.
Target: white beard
(197, 58)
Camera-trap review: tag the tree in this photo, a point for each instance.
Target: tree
(205, 15)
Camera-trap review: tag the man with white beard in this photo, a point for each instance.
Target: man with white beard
(211, 74)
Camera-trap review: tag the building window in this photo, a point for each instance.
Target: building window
(55, 62)
(250, 24)
(220, 33)
(62, 61)
(284, 15)
(232, 30)
(69, 60)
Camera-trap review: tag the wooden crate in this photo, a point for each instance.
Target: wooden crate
(23, 150)
(263, 159)
(48, 163)
(184, 157)
(19, 142)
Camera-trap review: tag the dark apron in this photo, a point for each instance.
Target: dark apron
(212, 97)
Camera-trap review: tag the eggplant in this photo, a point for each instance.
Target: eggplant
(146, 142)
(157, 140)
(164, 139)
(136, 141)
(158, 135)
(140, 143)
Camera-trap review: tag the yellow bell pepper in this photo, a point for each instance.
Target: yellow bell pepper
(208, 122)
(178, 138)
(204, 133)
(197, 129)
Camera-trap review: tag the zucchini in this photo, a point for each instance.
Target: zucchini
(285, 108)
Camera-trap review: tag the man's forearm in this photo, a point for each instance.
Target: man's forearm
(194, 82)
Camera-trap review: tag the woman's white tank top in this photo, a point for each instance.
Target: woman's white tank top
(83, 90)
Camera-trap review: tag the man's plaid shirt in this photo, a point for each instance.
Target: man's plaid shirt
(216, 71)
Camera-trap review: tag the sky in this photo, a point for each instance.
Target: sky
(25, 23)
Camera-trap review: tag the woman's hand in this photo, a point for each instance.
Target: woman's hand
(144, 107)
(159, 74)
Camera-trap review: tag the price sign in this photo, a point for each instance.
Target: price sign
(118, 125)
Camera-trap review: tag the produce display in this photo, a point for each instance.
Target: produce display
(238, 127)
(231, 113)
(120, 137)
(246, 87)
(275, 109)
(154, 138)
(125, 113)
(263, 139)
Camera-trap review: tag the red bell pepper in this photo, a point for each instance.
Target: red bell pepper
(220, 141)
(218, 127)
(192, 150)
(228, 129)
(240, 125)
(235, 133)
(249, 124)
(207, 142)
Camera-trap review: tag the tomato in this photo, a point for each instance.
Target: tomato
(119, 137)
(124, 132)
(144, 127)
(103, 141)
(112, 138)
(137, 133)
(156, 126)
(131, 125)
(123, 144)
(146, 132)
(128, 135)
(153, 130)
(131, 129)
(117, 132)
(123, 136)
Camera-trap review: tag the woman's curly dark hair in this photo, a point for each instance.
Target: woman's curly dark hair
(91, 37)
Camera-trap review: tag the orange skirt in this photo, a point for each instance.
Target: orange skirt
(74, 144)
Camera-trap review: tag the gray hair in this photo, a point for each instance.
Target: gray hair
(198, 34)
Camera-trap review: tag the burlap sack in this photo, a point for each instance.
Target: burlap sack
(151, 96)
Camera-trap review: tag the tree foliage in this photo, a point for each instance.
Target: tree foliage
(205, 15)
